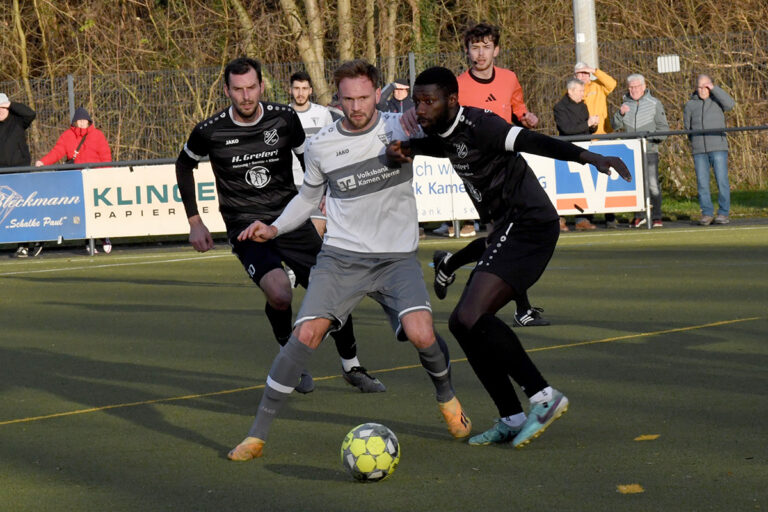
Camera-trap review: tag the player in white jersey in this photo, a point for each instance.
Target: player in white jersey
(313, 118)
(367, 201)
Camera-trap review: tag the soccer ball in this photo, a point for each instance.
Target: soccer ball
(370, 452)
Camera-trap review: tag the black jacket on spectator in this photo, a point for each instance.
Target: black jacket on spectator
(571, 118)
(14, 151)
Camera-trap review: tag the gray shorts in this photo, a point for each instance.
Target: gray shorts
(340, 280)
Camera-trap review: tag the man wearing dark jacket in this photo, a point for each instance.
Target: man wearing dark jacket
(15, 118)
(400, 100)
(571, 113)
(572, 118)
(706, 110)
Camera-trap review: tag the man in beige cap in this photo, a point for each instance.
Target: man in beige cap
(596, 99)
(596, 92)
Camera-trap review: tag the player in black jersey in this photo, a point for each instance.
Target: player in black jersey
(484, 150)
(250, 145)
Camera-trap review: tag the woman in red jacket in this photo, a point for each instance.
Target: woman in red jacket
(81, 143)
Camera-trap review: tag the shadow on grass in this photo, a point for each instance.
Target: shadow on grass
(303, 472)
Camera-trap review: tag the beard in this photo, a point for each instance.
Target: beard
(361, 120)
(244, 114)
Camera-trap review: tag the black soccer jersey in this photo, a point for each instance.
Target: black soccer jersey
(499, 182)
(251, 162)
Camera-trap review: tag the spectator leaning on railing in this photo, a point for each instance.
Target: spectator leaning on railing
(572, 118)
(81, 143)
(706, 110)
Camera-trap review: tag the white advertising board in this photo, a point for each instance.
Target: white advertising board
(145, 200)
(573, 188)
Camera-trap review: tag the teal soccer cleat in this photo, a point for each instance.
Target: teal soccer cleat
(541, 416)
(499, 433)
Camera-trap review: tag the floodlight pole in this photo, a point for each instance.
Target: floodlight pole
(585, 32)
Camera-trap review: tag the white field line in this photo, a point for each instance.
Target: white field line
(113, 265)
(612, 235)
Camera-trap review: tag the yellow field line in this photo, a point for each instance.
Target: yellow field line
(386, 370)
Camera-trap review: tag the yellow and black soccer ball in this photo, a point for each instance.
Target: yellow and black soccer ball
(370, 452)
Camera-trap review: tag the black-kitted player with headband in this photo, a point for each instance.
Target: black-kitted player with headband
(485, 152)
(250, 144)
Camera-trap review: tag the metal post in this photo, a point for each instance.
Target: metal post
(585, 32)
(411, 69)
(647, 188)
(71, 95)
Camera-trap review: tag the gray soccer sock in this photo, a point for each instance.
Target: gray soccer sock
(284, 375)
(436, 361)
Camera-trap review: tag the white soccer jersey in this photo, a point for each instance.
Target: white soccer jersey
(370, 206)
(312, 120)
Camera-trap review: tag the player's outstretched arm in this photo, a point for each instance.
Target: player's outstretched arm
(399, 151)
(258, 232)
(605, 164)
(528, 141)
(199, 236)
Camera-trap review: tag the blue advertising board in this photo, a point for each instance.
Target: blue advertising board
(41, 206)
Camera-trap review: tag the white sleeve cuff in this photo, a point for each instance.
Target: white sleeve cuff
(509, 143)
(192, 155)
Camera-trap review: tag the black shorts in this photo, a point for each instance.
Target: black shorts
(519, 254)
(298, 249)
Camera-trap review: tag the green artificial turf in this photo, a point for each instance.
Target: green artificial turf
(126, 378)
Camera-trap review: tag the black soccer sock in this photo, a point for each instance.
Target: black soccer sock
(522, 303)
(436, 361)
(280, 320)
(344, 338)
(506, 346)
(488, 368)
(284, 375)
(470, 253)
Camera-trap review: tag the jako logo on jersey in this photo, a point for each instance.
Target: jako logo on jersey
(385, 137)
(342, 152)
(490, 97)
(270, 137)
(231, 141)
(461, 150)
(257, 177)
(347, 184)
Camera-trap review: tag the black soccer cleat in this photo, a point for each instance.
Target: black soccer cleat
(442, 279)
(362, 380)
(531, 318)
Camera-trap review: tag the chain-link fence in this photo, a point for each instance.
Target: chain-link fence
(149, 114)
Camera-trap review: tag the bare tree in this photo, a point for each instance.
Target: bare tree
(344, 15)
(24, 63)
(308, 34)
(370, 25)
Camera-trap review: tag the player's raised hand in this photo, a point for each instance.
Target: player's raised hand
(606, 164)
(199, 236)
(409, 122)
(399, 151)
(258, 232)
(529, 120)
